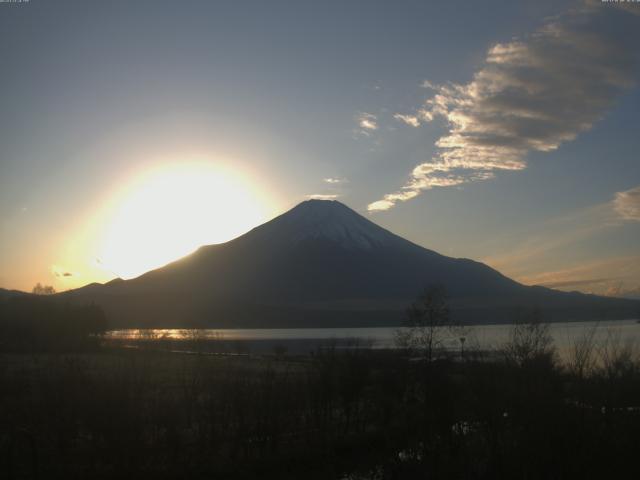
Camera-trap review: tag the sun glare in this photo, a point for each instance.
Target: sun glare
(169, 212)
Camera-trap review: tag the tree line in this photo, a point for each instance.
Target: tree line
(41, 323)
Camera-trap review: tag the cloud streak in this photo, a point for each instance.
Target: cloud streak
(333, 189)
(322, 196)
(607, 276)
(529, 95)
(575, 283)
(627, 204)
(334, 180)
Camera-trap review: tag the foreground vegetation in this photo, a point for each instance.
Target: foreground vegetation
(38, 323)
(74, 405)
(355, 414)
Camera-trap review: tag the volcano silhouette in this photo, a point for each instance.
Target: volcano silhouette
(321, 264)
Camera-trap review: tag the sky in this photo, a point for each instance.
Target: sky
(134, 131)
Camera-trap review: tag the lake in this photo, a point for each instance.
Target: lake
(300, 340)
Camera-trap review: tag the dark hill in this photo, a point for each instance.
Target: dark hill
(5, 294)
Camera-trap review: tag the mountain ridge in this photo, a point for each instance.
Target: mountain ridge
(322, 264)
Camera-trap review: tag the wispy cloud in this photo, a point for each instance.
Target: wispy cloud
(322, 196)
(539, 249)
(575, 283)
(620, 290)
(627, 204)
(609, 276)
(549, 238)
(334, 180)
(410, 120)
(334, 188)
(530, 95)
(367, 123)
(428, 84)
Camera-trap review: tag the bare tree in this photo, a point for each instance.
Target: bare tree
(197, 339)
(582, 360)
(529, 341)
(40, 289)
(618, 356)
(427, 322)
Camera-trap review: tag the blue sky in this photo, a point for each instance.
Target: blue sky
(289, 94)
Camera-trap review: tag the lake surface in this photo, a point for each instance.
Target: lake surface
(485, 337)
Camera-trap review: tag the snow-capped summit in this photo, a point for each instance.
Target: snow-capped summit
(327, 220)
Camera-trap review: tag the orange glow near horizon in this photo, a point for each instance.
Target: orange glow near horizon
(168, 212)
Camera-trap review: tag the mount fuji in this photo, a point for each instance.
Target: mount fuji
(321, 264)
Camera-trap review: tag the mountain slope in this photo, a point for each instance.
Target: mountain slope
(6, 294)
(322, 264)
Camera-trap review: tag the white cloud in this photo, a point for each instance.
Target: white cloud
(529, 95)
(334, 180)
(322, 196)
(627, 204)
(367, 122)
(410, 120)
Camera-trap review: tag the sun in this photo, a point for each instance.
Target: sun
(168, 212)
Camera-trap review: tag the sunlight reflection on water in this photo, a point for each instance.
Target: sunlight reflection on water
(483, 337)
